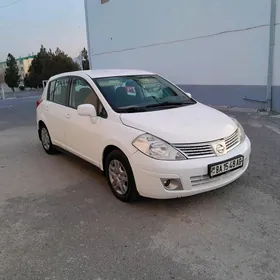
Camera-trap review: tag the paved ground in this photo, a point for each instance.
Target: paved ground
(59, 220)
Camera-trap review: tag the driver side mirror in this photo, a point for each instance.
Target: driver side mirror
(188, 94)
(87, 110)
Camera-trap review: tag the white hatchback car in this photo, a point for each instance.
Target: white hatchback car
(148, 136)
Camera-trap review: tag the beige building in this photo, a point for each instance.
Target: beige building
(23, 66)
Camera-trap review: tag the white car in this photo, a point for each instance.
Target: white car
(159, 143)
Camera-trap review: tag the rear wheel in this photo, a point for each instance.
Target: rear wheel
(46, 141)
(120, 177)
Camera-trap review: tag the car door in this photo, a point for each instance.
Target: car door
(56, 109)
(83, 137)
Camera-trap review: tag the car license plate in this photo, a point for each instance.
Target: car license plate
(223, 167)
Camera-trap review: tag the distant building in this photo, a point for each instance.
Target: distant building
(23, 66)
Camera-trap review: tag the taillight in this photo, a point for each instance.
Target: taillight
(38, 102)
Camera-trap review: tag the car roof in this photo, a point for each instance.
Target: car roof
(102, 73)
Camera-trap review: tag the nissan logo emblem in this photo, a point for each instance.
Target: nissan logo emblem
(220, 148)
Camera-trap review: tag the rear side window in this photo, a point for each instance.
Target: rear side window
(51, 90)
(58, 91)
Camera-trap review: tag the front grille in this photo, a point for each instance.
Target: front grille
(232, 140)
(200, 180)
(196, 150)
(203, 150)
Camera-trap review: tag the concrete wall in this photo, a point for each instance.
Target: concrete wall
(176, 39)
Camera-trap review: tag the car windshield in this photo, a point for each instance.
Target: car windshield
(128, 94)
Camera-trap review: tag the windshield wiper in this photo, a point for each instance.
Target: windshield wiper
(135, 108)
(131, 109)
(169, 103)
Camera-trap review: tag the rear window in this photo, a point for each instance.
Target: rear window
(58, 91)
(51, 90)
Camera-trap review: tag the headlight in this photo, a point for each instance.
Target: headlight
(156, 148)
(241, 132)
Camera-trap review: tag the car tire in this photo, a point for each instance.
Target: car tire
(120, 177)
(47, 141)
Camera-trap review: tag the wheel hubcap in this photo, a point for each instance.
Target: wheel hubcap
(46, 141)
(118, 177)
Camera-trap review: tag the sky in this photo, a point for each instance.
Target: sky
(26, 24)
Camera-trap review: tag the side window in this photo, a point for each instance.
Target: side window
(60, 91)
(51, 89)
(82, 93)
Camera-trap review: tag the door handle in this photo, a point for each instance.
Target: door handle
(67, 115)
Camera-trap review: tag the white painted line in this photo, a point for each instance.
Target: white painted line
(254, 121)
(273, 128)
(255, 124)
(276, 116)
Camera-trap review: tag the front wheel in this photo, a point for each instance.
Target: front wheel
(120, 177)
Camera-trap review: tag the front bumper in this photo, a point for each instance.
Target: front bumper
(192, 173)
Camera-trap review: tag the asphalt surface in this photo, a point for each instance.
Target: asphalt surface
(59, 220)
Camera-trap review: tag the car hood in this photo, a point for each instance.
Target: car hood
(187, 124)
